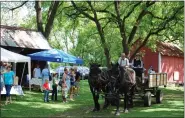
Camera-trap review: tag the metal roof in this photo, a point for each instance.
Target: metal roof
(169, 49)
(24, 38)
(164, 48)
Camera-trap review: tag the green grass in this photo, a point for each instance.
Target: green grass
(32, 105)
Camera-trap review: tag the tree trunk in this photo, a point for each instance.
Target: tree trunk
(125, 47)
(105, 47)
(50, 21)
(66, 43)
(39, 16)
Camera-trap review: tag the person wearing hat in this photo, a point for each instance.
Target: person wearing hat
(8, 77)
(137, 63)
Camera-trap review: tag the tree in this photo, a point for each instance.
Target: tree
(100, 29)
(54, 5)
(52, 10)
(144, 21)
(134, 14)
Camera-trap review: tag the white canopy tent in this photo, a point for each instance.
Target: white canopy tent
(9, 56)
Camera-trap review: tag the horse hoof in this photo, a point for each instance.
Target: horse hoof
(126, 111)
(117, 114)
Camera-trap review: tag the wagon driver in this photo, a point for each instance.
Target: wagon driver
(124, 62)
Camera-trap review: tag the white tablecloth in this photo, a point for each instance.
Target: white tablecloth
(15, 90)
(37, 81)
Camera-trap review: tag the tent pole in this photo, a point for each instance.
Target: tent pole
(23, 73)
(29, 72)
(14, 67)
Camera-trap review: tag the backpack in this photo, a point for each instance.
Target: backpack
(60, 83)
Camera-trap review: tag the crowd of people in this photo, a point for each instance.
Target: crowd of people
(68, 81)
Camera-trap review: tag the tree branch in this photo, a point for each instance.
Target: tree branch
(39, 16)
(118, 17)
(163, 24)
(62, 10)
(143, 44)
(50, 9)
(132, 10)
(93, 10)
(106, 11)
(157, 31)
(141, 15)
(81, 11)
(51, 18)
(106, 24)
(12, 9)
(148, 12)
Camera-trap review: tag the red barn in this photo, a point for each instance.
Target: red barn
(167, 58)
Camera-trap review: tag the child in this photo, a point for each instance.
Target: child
(46, 90)
(54, 86)
(77, 81)
(72, 87)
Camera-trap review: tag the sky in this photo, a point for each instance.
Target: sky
(21, 16)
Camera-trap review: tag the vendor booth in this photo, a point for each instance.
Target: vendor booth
(52, 55)
(8, 56)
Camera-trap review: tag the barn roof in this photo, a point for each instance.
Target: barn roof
(21, 37)
(169, 49)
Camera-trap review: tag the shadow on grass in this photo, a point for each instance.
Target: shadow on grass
(32, 105)
(172, 106)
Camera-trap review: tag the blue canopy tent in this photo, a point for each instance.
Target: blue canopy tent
(52, 55)
(77, 60)
(55, 55)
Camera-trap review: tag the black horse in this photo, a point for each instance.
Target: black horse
(98, 80)
(122, 86)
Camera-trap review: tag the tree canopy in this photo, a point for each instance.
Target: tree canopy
(100, 31)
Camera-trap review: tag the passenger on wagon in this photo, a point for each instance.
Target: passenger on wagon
(137, 63)
(124, 62)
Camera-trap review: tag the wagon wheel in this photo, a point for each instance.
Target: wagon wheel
(159, 96)
(147, 99)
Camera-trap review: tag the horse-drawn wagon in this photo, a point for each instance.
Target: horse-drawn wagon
(149, 86)
(116, 83)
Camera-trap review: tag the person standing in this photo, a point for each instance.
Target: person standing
(8, 77)
(77, 81)
(46, 89)
(65, 85)
(72, 80)
(37, 72)
(54, 87)
(45, 74)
